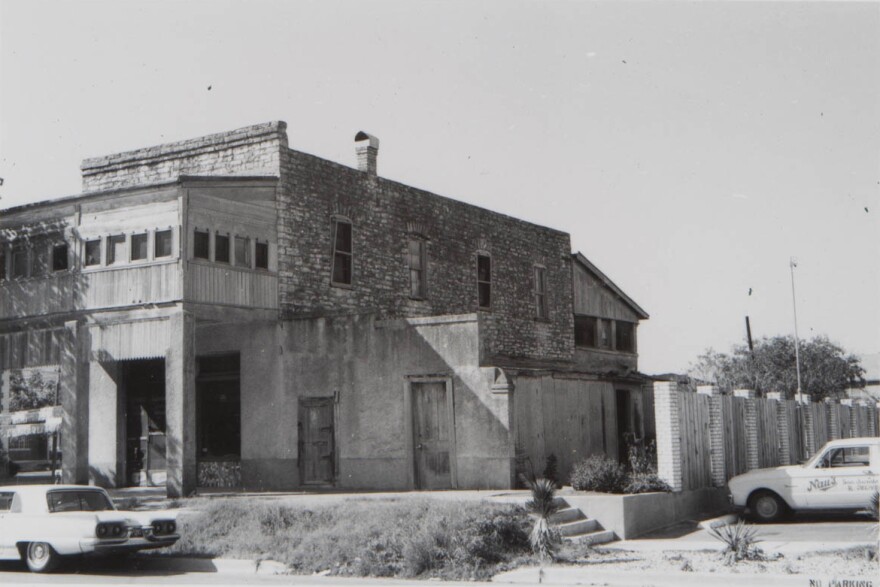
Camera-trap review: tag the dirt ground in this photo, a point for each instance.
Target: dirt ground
(849, 563)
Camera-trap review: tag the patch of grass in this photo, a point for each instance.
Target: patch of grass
(380, 538)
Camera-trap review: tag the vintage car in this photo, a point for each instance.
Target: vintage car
(843, 475)
(42, 523)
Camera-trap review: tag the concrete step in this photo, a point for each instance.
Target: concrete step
(595, 537)
(578, 527)
(566, 515)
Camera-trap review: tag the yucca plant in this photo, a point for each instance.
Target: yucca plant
(874, 513)
(741, 541)
(544, 537)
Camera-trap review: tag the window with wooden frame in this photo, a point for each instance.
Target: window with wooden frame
(92, 253)
(40, 260)
(115, 249)
(201, 244)
(2, 262)
(624, 336)
(163, 243)
(418, 281)
(261, 255)
(139, 247)
(221, 248)
(342, 253)
(242, 251)
(539, 292)
(19, 261)
(484, 281)
(585, 331)
(60, 259)
(604, 333)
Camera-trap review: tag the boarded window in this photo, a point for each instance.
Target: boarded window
(93, 252)
(585, 331)
(221, 248)
(624, 337)
(342, 253)
(417, 273)
(162, 248)
(139, 247)
(201, 248)
(484, 281)
(116, 249)
(261, 255)
(242, 252)
(59, 257)
(540, 293)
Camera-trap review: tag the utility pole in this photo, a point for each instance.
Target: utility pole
(797, 350)
(792, 263)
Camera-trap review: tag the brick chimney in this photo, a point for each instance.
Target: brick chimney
(367, 148)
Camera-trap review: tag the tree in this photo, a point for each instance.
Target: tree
(826, 369)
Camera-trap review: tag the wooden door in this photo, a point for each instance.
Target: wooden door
(431, 435)
(316, 440)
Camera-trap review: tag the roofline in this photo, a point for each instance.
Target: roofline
(181, 180)
(579, 257)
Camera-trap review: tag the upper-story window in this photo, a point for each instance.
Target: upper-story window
(93, 252)
(162, 246)
(261, 255)
(624, 336)
(342, 253)
(540, 293)
(19, 261)
(418, 282)
(139, 247)
(2, 262)
(221, 248)
(201, 244)
(115, 249)
(242, 251)
(60, 259)
(484, 281)
(602, 333)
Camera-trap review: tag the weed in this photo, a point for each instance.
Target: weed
(741, 542)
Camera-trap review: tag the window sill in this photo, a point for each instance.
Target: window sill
(118, 266)
(590, 349)
(206, 263)
(348, 286)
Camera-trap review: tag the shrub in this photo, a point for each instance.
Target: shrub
(740, 541)
(647, 482)
(599, 473)
(544, 537)
(551, 470)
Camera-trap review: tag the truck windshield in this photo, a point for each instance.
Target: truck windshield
(78, 501)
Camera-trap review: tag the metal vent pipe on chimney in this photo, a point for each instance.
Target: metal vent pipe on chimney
(367, 148)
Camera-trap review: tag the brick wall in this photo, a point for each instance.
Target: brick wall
(253, 150)
(383, 214)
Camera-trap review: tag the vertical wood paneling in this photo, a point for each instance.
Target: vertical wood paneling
(231, 286)
(694, 426)
(130, 286)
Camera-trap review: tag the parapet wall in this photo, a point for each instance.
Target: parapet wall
(252, 150)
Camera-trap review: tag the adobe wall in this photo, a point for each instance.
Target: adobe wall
(365, 364)
(383, 213)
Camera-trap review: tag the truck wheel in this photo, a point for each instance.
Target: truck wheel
(766, 507)
(41, 557)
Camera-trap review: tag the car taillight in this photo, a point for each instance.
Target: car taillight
(108, 530)
(166, 527)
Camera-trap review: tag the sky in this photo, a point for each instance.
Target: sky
(690, 149)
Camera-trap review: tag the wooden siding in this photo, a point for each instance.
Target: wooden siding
(592, 298)
(696, 466)
(572, 419)
(733, 415)
(32, 348)
(142, 339)
(768, 441)
(230, 286)
(129, 286)
(39, 296)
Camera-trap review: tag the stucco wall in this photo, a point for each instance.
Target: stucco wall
(365, 364)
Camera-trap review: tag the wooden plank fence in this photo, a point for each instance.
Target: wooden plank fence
(721, 436)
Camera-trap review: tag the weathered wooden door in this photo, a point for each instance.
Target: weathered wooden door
(431, 435)
(316, 440)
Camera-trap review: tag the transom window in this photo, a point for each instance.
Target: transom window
(484, 281)
(417, 272)
(342, 253)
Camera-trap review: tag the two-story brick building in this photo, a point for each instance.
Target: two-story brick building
(227, 311)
